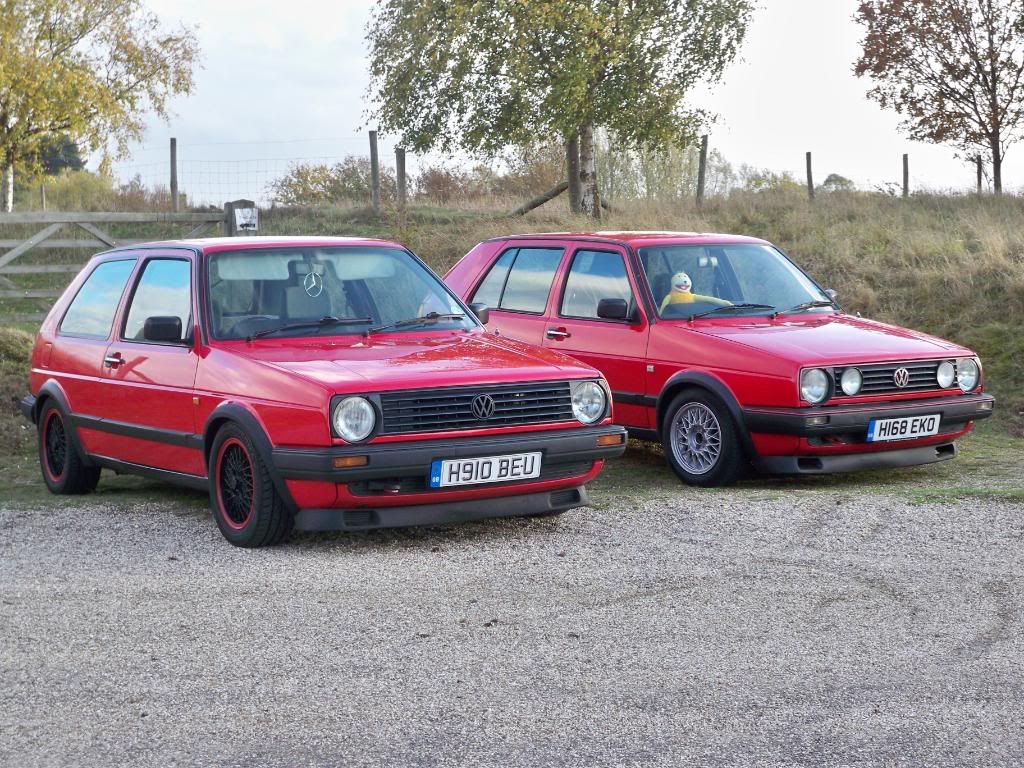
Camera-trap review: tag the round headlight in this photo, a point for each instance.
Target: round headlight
(967, 373)
(946, 374)
(588, 401)
(354, 419)
(814, 385)
(852, 381)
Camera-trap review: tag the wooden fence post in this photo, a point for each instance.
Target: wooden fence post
(400, 176)
(702, 170)
(42, 196)
(810, 178)
(981, 172)
(174, 174)
(906, 176)
(374, 175)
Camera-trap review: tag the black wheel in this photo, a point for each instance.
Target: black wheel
(64, 470)
(246, 505)
(700, 440)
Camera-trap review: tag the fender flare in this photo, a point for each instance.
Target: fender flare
(244, 418)
(52, 390)
(715, 386)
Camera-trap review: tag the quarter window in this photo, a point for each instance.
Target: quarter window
(594, 275)
(164, 290)
(520, 280)
(92, 311)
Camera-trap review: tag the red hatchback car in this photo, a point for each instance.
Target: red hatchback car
(317, 383)
(722, 348)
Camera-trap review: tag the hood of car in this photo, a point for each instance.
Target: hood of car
(415, 361)
(830, 339)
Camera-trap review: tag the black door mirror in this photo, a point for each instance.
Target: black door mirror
(613, 309)
(483, 314)
(163, 329)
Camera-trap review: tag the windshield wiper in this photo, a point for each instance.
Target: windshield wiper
(432, 317)
(804, 307)
(728, 307)
(323, 322)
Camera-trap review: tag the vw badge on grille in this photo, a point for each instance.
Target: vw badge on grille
(483, 407)
(901, 377)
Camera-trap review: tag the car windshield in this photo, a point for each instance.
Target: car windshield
(727, 280)
(312, 291)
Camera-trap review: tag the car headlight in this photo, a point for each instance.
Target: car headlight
(851, 382)
(814, 385)
(967, 373)
(946, 374)
(588, 401)
(354, 419)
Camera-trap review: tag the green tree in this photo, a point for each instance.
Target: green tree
(953, 69)
(88, 69)
(484, 76)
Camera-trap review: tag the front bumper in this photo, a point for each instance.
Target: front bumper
(854, 462)
(27, 405)
(854, 419)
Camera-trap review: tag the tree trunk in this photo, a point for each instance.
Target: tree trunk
(997, 165)
(572, 168)
(8, 188)
(591, 199)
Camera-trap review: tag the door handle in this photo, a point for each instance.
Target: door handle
(113, 361)
(557, 333)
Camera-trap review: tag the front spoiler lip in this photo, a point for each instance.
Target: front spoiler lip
(388, 460)
(854, 462)
(852, 418)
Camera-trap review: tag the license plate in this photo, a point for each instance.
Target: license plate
(885, 430)
(445, 473)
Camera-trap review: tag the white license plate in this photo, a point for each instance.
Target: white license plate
(445, 473)
(885, 430)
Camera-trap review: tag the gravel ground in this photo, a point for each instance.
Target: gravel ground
(749, 628)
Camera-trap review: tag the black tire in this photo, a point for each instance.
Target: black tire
(64, 470)
(246, 505)
(706, 450)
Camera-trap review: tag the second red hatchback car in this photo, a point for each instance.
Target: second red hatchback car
(722, 348)
(318, 383)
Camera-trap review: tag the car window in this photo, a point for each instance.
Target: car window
(528, 282)
(92, 311)
(163, 290)
(594, 275)
(490, 290)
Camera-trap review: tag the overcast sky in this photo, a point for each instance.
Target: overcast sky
(288, 81)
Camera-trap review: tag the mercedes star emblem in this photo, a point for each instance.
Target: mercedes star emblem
(313, 284)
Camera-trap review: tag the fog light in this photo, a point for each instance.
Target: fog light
(986, 406)
(816, 421)
(851, 381)
(606, 440)
(345, 462)
(946, 374)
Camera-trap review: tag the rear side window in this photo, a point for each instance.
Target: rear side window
(164, 290)
(594, 275)
(520, 280)
(92, 311)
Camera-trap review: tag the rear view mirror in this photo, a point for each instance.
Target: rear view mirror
(483, 314)
(163, 329)
(613, 309)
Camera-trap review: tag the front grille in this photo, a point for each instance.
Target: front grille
(436, 410)
(879, 378)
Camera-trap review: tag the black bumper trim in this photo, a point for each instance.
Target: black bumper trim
(549, 502)
(414, 457)
(853, 418)
(854, 462)
(27, 405)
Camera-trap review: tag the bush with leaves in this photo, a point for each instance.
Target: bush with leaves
(348, 181)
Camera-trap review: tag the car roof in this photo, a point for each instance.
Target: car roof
(640, 238)
(212, 244)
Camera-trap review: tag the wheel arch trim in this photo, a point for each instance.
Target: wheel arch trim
(713, 385)
(52, 390)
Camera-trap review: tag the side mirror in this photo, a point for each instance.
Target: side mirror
(613, 309)
(483, 314)
(163, 329)
(832, 294)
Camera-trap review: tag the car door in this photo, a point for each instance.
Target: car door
(149, 410)
(616, 347)
(516, 288)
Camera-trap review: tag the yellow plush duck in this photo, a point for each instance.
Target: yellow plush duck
(682, 293)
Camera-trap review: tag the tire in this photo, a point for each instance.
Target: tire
(64, 470)
(246, 505)
(700, 440)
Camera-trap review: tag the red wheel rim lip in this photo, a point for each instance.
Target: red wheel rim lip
(46, 451)
(222, 510)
